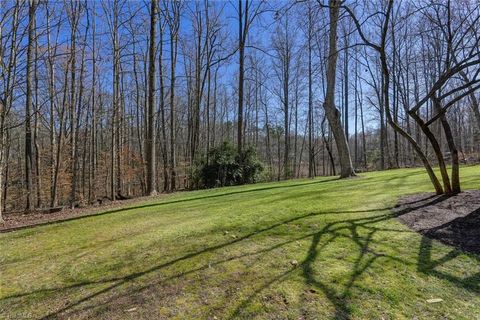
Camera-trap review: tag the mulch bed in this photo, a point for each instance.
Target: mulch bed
(22, 220)
(453, 220)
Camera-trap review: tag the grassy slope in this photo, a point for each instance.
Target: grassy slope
(173, 258)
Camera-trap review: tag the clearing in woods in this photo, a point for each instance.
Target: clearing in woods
(299, 249)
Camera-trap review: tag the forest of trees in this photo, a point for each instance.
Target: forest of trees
(112, 99)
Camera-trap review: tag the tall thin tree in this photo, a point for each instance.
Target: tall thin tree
(150, 142)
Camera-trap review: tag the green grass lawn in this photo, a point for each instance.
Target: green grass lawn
(230, 253)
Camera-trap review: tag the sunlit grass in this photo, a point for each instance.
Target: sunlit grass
(303, 249)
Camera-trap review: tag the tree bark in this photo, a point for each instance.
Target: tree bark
(174, 26)
(166, 181)
(241, 69)
(29, 105)
(311, 149)
(150, 143)
(332, 113)
(455, 182)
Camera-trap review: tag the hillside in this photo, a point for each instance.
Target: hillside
(300, 249)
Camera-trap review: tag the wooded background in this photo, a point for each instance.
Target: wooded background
(115, 98)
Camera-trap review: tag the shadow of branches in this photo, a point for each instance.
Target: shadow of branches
(359, 230)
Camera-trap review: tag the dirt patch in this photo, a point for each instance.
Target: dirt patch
(453, 220)
(20, 220)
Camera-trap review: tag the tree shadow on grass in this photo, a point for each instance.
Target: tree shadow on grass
(158, 204)
(460, 234)
(212, 248)
(118, 281)
(332, 229)
(348, 228)
(366, 256)
(430, 266)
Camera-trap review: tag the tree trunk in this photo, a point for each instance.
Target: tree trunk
(73, 105)
(311, 149)
(332, 113)
(150, 143)
(37, 112)
(116, 98)
(93, 133)
(166, 181)
(326, 142)
(436, 149)
(174, 26)
(53, 107)
(455, 186)
(28, 105)
(241, 71)
(5, 105)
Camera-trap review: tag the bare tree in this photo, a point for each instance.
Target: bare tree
(283, 46)
(6, 97)
(150, 141)
(311, 147)
(247, 11)
(28, 106)
(332, 113)
(173, 19)
(85, 93)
